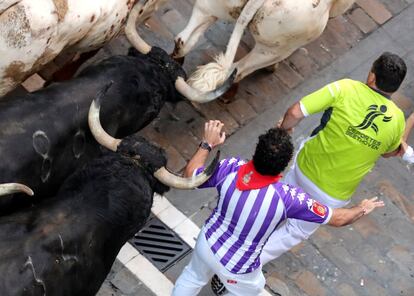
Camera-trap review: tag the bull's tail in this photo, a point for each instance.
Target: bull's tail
(209, 76)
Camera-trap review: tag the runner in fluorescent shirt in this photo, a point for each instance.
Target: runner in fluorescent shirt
(363, 125)
(252, 203)
(360, 124)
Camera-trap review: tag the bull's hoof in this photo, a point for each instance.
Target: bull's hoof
(272, 68)
(229, 95)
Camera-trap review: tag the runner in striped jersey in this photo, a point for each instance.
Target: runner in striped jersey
(252, 203)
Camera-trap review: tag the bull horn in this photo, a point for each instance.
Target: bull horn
(201, 97)
(138, 14)
(10, 188)
(172, 180)
(100, 135)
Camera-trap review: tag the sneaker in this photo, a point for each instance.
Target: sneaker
(217, 286)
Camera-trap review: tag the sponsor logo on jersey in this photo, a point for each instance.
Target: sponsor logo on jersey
(317, 208)
(233, 282)
(355, 131)
(374, 112)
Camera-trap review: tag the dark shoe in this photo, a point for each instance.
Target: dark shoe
(217, 286)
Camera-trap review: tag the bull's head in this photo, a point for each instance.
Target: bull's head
(144, 154)
(10, 188)
(138, 14)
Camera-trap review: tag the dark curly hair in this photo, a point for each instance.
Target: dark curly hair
(273, 152)
(390, 71)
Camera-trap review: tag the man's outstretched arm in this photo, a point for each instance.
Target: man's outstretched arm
(342, 217)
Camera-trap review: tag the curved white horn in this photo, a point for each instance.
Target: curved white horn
(100, 135)
(131, 32)
(10, 188)
(172, 180)
(200, 97)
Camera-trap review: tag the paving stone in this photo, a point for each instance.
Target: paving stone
(395, 6)
(108, 290)
(403, 287)
(194, 121)
(367, 227)
(152, 134)
(241, 111)
(180, 137)
(214, 111)
(371, 287)
(403, 102)
(343, 26)
(277, 286)
(344, 289)
(401, 31)
(341, 257)
(33, 83)
(173, 20)
(376, 10)
(175, 161)
(287, 75)
(337, 42)
(200, 217)
(319, 53)
(362, 20)
(401, 201)
(128, 284)
(302, 63)
(403, 256)
(310, 284)
(263, 90)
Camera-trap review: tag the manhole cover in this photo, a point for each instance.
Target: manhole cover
(159, 244)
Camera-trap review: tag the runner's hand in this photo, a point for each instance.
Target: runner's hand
(213, 134)
(368, 205)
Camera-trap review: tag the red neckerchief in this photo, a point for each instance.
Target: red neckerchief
(248, 178)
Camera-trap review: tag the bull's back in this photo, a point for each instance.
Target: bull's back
(292, 23)
(34, 32)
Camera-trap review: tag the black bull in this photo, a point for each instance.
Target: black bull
(66, 245)
(44, 136)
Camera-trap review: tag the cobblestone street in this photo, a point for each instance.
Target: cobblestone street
(375, 256)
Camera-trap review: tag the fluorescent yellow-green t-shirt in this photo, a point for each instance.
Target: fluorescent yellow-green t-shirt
(358, 126)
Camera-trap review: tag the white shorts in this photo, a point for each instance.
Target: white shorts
(204, 265)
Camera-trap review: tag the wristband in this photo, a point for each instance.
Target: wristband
(205, 146)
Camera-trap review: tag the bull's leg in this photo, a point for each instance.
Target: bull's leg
(198, 24)
(261, 56)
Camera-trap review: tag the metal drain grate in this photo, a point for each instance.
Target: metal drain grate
(159, 244)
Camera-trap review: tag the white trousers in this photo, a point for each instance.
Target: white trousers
(294, 231)
(204, 265)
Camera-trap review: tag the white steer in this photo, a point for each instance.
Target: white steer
(279, 27)
(33, 32)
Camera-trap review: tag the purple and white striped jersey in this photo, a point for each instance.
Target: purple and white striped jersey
(242, 221)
